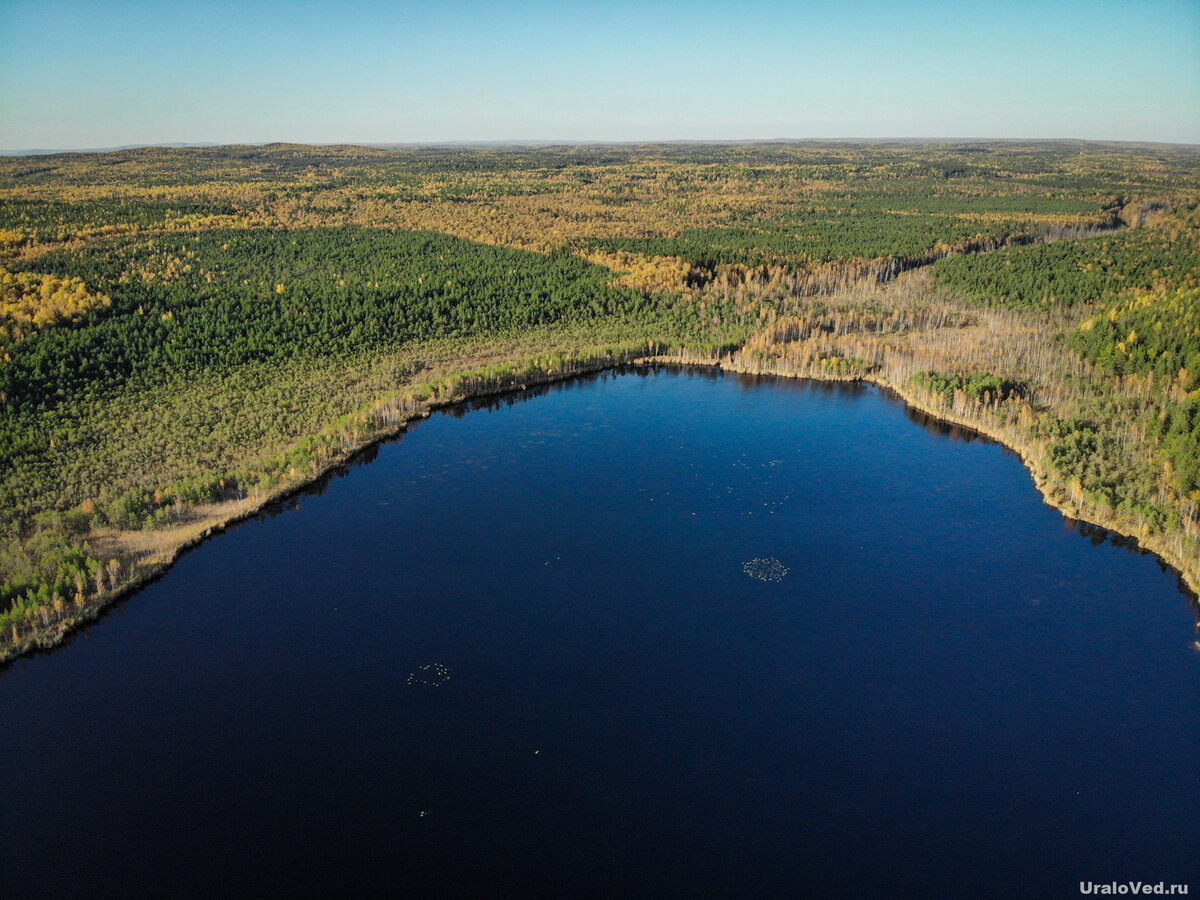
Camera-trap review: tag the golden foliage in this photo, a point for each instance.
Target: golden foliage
(30, 300)
(646, 273)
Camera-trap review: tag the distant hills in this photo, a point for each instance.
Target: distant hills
(503, 143)
(46, 152)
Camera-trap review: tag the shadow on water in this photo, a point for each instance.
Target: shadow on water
(1098, 536)
(812, 386)
(287, 503)
(497, 402)
(942, 428)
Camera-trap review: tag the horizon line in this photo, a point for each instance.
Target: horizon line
(500, 143)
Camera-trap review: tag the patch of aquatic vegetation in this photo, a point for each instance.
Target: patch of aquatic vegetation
(432, 675)
(765, 569)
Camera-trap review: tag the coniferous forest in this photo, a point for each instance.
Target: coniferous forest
(186, 334)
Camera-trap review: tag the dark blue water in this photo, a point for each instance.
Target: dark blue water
(518, 655)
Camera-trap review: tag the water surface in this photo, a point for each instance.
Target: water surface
(518, 655)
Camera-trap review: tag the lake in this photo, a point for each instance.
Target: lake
(673, 634)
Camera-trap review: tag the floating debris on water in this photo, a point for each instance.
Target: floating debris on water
(765, 569)
(433, 674)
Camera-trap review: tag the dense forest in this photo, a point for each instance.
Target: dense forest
(186, 333)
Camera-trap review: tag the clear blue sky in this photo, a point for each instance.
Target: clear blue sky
(79, 74)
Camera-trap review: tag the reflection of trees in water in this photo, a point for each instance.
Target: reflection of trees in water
(522, 394)
(1098, 535)
(765, 569)
(942, 427)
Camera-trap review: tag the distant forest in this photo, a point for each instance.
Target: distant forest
(187, 329)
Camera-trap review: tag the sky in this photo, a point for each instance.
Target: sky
(76, 74)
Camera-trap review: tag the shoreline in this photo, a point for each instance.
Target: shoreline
(185, 537)
(1051, 493)
(228, 514)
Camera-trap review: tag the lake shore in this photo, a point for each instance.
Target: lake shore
(146, 557)
(1027, 451)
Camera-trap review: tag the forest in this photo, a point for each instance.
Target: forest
(186, 334)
